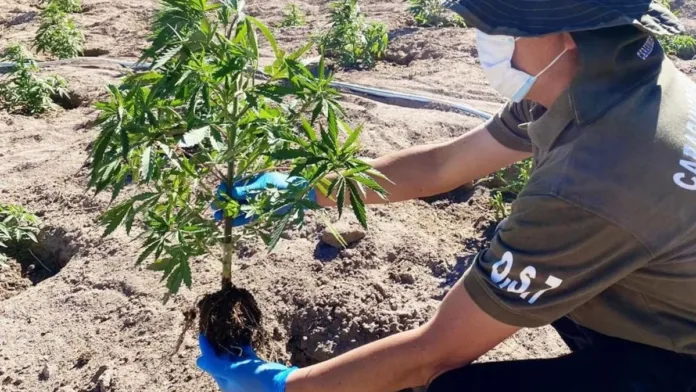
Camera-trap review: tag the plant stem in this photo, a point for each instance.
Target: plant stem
(228, 246)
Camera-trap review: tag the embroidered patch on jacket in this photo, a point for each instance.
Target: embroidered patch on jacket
(647, 48)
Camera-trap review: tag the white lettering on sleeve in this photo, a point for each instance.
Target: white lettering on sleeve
(679, 180)
(690, 152)
(496, 275)
(688, 165)
(526, 277)
(691, 127)
(553, 283)
(501, 269)
(689, 149)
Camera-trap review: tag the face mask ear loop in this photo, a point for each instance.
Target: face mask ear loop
(552, 63)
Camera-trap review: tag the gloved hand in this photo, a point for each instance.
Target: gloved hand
(245, 189)
(246, 373)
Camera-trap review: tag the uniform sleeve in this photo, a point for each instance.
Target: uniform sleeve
(504, 126)
(548, 258)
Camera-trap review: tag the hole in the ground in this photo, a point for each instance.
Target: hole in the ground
(95, 52)
(87, 8)
(31, 263)
(23, 18)
(71, 100)
(458, 195)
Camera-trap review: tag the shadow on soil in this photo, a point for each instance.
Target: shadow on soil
(46, 258)
(458, 195)
(325, 253)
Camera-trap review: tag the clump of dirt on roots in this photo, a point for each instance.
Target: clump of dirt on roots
(231, 319)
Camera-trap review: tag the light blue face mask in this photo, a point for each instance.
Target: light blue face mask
(495, 53)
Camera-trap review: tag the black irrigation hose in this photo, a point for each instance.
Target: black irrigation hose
(392, 96)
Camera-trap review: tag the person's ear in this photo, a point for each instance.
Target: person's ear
(569, 42)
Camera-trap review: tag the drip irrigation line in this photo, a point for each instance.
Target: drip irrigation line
(393, 96)
(419, 99)
(6, 67)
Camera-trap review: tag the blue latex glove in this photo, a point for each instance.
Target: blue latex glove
(245, 373)
(244, 189)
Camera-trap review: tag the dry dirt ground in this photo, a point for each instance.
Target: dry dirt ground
(100, 325)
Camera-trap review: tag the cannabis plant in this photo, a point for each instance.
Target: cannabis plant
(17, 225)
(58, 34)
(293, 16)
(501, 209)
(22, 90)
(350, 39)
(431, 13)
(69, 6)
(512, 187)
(203, 115)
(521, 172)
(682, 46)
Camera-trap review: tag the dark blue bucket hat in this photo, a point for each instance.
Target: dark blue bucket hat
(530, 18)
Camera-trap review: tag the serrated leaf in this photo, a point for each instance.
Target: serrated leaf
(31, 236)
(148, 251)
(333, 128)
(317, 111)
(186, 273)
(125, 144)
(195, 136)
(371, 183)
(341, 196)
(253, 40)
(352, 137)
(269, 36)
(275, 235)
(309, 130)
(174, 281)
(332, 185)
(145, 163)
(165, 57)
(333, 231)
(357, 204)
(114, 217)
(4, 231)
(299, 52)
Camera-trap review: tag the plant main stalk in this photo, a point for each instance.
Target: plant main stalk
(227, 245)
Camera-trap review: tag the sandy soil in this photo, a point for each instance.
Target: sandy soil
(100, 325)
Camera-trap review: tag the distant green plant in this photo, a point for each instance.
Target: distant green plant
(293, 16)
(69, 6)
(22, 90)
(177, 19)
(500, 208)
(666, 3)
(431, 13)
(522, 171)
(350, 39)
(58, 34)
(16, 226)
(682, 46)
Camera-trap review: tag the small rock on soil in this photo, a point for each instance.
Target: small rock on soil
(351, 233)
